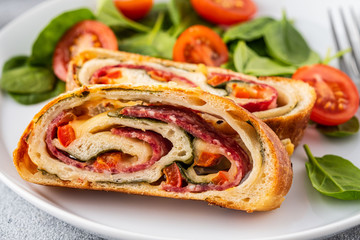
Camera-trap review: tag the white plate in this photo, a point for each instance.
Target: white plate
(304, 214)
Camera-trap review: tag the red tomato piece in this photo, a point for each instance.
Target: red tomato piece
(66, 135)
(106, 77)
(85, 34)
(108, 161)
(221, 178)
(134, 9)
(218, 79)
(207, 159)
(173, 175)
(337, 95)
(225, 11)
(200, 44)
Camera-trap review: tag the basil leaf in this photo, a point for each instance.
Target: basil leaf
(44, 46)
(333, 176)
(27, 79)
(248, 31)
(285, 43)
(28, 99)
(111, 16)
(343, 130)
(15, 62)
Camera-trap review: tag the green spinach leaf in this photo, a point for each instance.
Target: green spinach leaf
(248, 31)
(247, 61)
(262, 66)
(44, 46)
(156, 43)
(183, 16)
(32, 98)
(333, 176)
(242, 55)
(27, 79)
(285, 43)
(15, 62)
(109, 15)
(348, 128)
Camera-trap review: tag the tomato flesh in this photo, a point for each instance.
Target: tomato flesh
(207, 159)
(108, 161)
(134, 9)
(85, 34)
(225, 11)
(220, 178)
(106, 77)
(66, 135)
(200, 44)
(173, 175)
(337, 96)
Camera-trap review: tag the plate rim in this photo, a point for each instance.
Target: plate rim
(103, 230)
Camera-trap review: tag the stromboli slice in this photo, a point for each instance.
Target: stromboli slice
(167, 142)
(284, 104)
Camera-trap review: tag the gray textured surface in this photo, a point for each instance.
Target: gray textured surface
(21, 220)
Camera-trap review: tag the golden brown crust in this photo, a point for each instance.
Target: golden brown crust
(276, 189)
(291, 126)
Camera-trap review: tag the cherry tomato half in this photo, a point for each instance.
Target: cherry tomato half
(85, 34)
(134, 9)
(200, 44)
(225, 11)
(337, 96)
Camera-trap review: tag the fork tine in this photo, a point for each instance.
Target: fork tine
(355, 64)
(342, 63)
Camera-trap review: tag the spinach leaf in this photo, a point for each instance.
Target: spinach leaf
(32, 98)
(333, 176)
(262, 66)
(248, 31)
(150, 19)
(258, 46)
(285, 43)
(156, 43)
(242, 55)
(343, 130)
(27, 79)
(109, 15)
(313, 58)
(44, 46)
(247, 61)
(15, 62)
(183, 16)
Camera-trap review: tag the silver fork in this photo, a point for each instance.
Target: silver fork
(350, 25)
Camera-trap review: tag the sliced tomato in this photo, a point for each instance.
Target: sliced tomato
(207, 159)
(221, 178)
(66, 135)
(107, 76)
(173, 175)
(225, 11)
(134, 9)
(200, 44)
(108, 161)
(85, 34)
(337, 95)
(218, 79)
